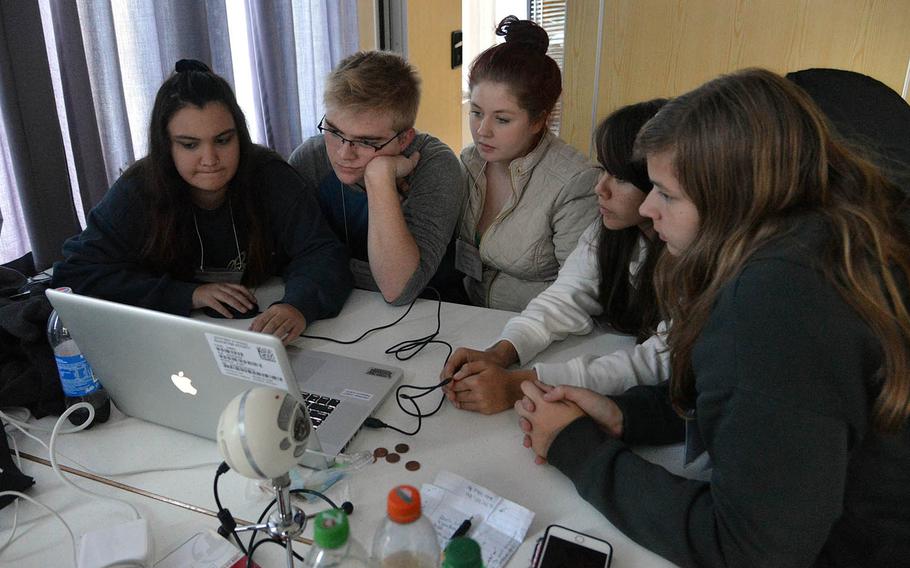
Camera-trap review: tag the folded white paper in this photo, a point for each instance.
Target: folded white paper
(498, 525)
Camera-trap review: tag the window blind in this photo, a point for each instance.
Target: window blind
(551, 16)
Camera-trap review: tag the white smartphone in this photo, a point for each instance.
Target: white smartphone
(562, 547)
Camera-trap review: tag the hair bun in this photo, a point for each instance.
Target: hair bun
(524, 33)
(185, 65)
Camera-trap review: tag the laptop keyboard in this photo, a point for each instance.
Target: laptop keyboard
(319, 407)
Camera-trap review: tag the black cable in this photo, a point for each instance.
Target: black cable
(347, 507)
(249, 558)
(222, 469)
(403, 351)
(373, 422)
(415, 346)
(228, 524)
(369, 331)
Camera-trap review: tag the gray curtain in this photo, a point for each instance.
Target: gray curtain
(296, 44)
(112, 57)
(88, 151)
(33, 136)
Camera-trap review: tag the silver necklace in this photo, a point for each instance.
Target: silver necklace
(236, 240)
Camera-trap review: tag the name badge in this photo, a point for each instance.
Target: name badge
(467, 259)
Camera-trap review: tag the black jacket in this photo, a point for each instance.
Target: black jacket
(103, 261)
(785, 379)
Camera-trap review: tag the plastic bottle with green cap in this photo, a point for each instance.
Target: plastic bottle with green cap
(333, 544)
(405, 538)
(462, 552)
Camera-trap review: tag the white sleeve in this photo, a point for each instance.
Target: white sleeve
(646, 364)
(565, 307)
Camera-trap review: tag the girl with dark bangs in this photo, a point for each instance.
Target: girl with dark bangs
(607, 280)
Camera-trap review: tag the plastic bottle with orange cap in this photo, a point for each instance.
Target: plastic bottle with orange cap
(405, 538)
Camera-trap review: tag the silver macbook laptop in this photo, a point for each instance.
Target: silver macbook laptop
(181, 372)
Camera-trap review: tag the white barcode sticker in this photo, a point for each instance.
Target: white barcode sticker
(351, 393)
(248, 361)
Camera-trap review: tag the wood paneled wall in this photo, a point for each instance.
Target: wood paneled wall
(366, 24)
(654, 48)
(430, 27)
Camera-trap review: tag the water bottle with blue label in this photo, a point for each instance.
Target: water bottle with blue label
(76, 375)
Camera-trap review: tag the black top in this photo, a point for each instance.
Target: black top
(104, 261)
(785, 389)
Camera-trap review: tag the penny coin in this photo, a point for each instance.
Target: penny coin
(402, 448)
(392, 458)
(380, 453)
(412, 465)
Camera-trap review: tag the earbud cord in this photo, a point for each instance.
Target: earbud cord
(404, 351)
(344, 212)
(228, 524)
(236, 240)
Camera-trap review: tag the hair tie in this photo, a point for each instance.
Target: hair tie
(185, 65)
(524, 33)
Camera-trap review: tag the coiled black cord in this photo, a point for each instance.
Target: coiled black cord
(404, 351)
(229, 525)
(347, 507)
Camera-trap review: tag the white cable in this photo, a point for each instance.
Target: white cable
(23, 426)
(53, 457)
(51, 511)
(906, 82)
(36, 427)
(12, 531)
(52, 454)
(18, 409)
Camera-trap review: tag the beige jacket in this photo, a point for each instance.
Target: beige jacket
(552, 203)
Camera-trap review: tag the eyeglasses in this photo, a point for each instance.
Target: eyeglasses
(355, 144)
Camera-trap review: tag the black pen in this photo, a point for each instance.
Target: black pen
(462, 529)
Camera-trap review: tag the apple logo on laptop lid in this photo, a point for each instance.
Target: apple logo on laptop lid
(184, 383)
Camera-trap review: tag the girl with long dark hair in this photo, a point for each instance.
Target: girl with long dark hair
(206, 216)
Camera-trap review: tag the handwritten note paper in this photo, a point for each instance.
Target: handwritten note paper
(498, 525)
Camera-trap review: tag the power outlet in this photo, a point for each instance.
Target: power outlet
(456, 49)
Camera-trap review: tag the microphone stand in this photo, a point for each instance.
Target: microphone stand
(285, 523)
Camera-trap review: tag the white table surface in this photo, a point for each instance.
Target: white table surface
(484, 449)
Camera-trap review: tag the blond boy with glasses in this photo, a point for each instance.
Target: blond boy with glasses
(391, 194)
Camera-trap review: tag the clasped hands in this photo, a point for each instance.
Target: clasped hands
(284, 321)
(481, 383)
(545, 410)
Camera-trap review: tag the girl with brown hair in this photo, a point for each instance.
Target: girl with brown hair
(786, 284)
(530, 195)
(206, 216)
